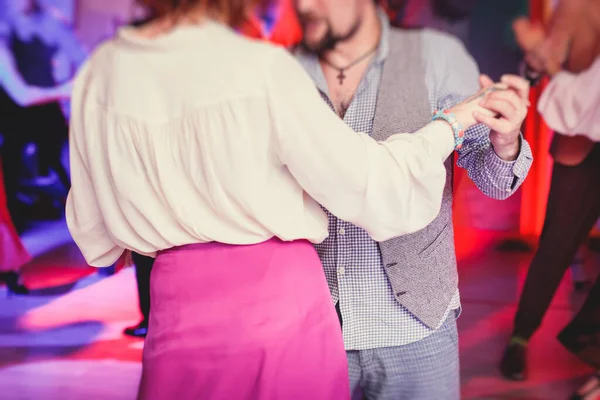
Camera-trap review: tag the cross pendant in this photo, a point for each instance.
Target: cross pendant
(341, 76)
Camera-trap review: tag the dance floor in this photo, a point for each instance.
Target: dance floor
(64, 341)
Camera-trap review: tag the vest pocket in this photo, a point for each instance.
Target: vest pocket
(442, 240)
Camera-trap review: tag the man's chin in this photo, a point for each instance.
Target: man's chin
(311, 46)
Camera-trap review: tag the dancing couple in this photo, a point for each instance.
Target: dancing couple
(217, 155)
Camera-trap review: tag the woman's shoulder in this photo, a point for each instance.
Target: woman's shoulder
(282, 64)
(260, 50)
(256, 57)
(98, 62)
(269, 56)
(96, 68)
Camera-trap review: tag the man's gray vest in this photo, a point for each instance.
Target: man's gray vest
(421, 267)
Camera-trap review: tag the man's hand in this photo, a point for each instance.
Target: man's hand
(511, 108)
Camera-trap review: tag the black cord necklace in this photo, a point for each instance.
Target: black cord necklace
(342, 70)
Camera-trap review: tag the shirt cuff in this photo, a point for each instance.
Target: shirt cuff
(509, 174)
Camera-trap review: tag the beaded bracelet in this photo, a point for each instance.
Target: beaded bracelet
(457, 128)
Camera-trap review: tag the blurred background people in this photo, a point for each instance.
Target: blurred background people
(574, 198)
(571, 104)
(450, 16)
(42, 49)
(16, 96)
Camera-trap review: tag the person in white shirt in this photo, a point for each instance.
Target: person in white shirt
(571, 102)
(15, 97)
(213, 153)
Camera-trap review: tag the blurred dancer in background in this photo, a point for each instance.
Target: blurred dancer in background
(15, 96)
(36, 41)
(571, 104)
(574, 199)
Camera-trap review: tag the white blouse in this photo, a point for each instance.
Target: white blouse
(201, 135)
(570, 103)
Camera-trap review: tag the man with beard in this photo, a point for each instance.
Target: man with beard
(398, 300)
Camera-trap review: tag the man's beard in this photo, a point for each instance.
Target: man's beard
(330, 40)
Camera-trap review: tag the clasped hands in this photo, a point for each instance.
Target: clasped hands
(500, 106)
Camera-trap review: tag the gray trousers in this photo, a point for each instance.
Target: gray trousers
(424, 370)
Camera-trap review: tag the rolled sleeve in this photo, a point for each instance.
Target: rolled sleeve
(507, 176)
(455, 74)
(496, 178)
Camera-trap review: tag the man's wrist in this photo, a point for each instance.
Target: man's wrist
(507, 151)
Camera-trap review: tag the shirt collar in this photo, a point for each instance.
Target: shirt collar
(311, 63)
(384, 42)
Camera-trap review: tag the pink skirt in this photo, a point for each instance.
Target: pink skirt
(242, 322)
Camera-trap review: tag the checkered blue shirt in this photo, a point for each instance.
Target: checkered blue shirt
(372, 317)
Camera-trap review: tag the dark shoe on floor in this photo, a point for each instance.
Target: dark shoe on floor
(140, 330)
(514, 362)
(13, 283)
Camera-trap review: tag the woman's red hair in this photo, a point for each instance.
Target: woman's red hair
(231, 12)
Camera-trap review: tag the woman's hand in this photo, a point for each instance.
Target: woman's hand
(465, 111)
(500, 106)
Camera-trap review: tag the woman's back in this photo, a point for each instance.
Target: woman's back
(183, 147)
